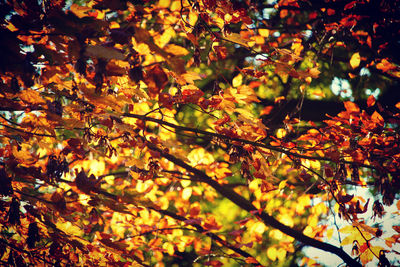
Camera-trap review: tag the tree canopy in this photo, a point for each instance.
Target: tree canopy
(199, 132)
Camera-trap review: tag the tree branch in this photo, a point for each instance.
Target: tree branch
(200, 229)
(246, 205)
(244, 141)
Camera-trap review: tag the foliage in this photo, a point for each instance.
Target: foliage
(198, 132)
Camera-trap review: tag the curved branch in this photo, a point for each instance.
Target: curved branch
(200, 229)
(248, 206)
(244, 141)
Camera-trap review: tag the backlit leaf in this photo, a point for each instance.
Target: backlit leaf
(351, 107)
(355, 60)
(371, 101)
(272, 253)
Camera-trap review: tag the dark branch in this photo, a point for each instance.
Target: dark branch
(246, 205)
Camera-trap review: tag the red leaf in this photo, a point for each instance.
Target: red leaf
(191, 95)
(214, 263)
(267, 110)
(74, 142)
(377, 118)
(328, 171)
(221, 51)
(371, 101)
(223, 120)
(350, 5)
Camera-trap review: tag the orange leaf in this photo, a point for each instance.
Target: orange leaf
(385, 65)
(279, 99)
(251, 260)
(80, 11)
(351, 107)
(314, 72)
(31, 96)
(376, 117)
(267, 110)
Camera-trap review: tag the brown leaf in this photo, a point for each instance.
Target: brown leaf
(345, 198)
(156, 80)
(99, 51)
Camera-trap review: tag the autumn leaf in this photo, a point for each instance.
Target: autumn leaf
(163, 132)
(80, 11)
(371, 101)
(156, 80)
(355, 60)
(351, 107)
(99, 51)
(272, 253)
(377, 118)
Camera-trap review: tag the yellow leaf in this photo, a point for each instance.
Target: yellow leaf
(280, 133)
(264, 32)
(144, 186)
(354, 235)
(186, 193)
(219, 22)
(193, 16)
(253, 185)
(286, 220)
(176, 50)
(190, 76)
(236, 38)
(200, 156)
(169, 247)
(114, 25)
(69, 228)
(308, 231)
(272, 253)
(185, 183)
(258, 228)
(282, 184)
(276, 234)
(329, 233)
(304, 200)
(164, 39)
(355, 60)
(281, 254)
(176, 6)
(79, 11)
(164, 4)
(368, 256)
(312, 221)
(237, 81)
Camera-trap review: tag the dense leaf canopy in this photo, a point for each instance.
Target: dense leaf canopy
(205, 133)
